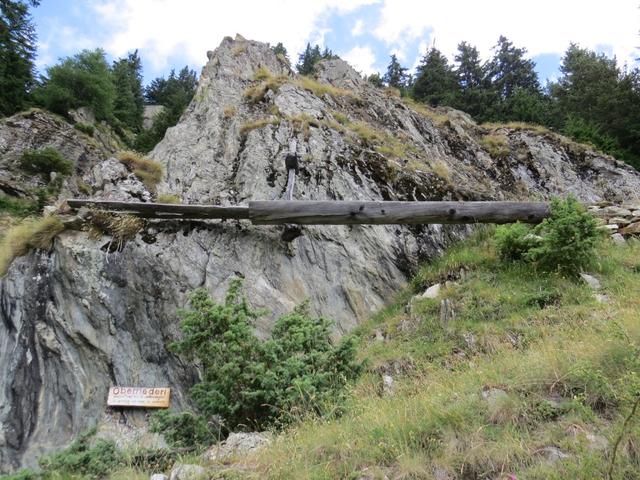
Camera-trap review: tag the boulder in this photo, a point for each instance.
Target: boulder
(592, 281)
(158, 476)
(552, 455)
(432, 292)
(631, 229)
(618, 239)
(187, 472)
(237, 444)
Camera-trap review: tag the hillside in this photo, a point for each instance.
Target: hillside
(91, 313)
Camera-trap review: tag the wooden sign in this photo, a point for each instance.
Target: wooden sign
(146, 397)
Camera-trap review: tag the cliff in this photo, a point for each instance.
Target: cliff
(81, 317)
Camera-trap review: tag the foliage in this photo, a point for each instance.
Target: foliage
(84, 80)
(148, 171)
(80, 457)
(279, 49)
(45, 161)
(85, 128)
(514, 241)
(312, 55)
(17, 54)
(565, 363)
(29, 235)
(184, 430)
(246, 381)
(129, 101)
(175, 94)
(564, 241)
(17, 207)
(569, 237)
(396, 75)
(435, 81)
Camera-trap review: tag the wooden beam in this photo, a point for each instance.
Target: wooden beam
(377, 213)
(279, 212)
(164, 210)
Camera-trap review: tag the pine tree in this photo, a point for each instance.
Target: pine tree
(83, 80)
(435, 82)
(129, 101)
(312, 55)
(17, 54)
(396, 75)
(474, 92)
(280, 50)
(510, 70)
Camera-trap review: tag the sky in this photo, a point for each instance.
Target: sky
(173, 33)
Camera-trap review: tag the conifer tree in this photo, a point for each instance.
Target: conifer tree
(129, 101)
(435, 82)
(396, 75)
(17, 54)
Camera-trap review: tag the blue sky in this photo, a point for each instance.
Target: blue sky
(172, 33)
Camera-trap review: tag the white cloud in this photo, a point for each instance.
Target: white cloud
(544, 26)
(191, 27)
(358, 28)
(362, 59)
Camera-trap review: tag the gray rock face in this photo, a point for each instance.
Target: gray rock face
(77, 320)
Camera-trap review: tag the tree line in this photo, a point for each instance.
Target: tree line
(114, 92)
(594, 100)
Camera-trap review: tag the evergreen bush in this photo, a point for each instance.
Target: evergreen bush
(250, 382)
(564, 241)
(45, 161)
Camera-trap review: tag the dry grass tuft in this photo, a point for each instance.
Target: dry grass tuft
(31, 234)
(438, 119)
(321, 89)
(148, 171)
(229, 111)
(496, 145)
(168, 198)
(259, 123)
(441, 169)
(268, 81)
(519, 127)
(239, 49)
(121, 227)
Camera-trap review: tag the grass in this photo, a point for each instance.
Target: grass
(30, 234)
(266, 81)
(229, 111)
(519, 127)
(537, 337)
(17, 207)
(149, 172)
(259, 123)
(436, 118)
(567, 368)
(321, 89)
(121, 227)
(496, 145)
(168, 198)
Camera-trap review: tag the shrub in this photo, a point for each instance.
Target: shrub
(184, 430)
(28, 235)
(45, 161)
(569, 237)
(148, 171)
(85, 128)
(514, 241)
(80, 458)
(249, 381)
(564, 241)
(18, 207)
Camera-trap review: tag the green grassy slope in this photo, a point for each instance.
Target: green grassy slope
(532, 365)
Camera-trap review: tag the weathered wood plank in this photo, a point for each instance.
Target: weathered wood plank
(164, 210)
(376, 213)
(279, 212)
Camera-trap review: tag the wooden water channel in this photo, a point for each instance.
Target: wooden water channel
(306, 212)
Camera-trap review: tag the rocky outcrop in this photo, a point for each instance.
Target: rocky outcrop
(81, 318)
